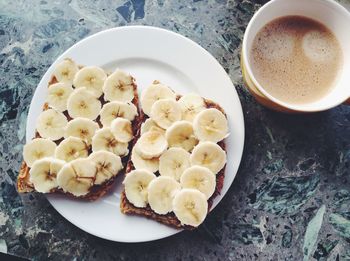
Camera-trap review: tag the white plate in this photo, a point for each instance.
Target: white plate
(148, 53)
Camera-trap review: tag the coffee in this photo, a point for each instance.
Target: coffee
(296, 59)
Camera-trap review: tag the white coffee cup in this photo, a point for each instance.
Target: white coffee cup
(327, 12)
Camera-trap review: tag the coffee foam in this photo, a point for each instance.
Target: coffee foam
(296, 59)
(318, 46)
(277, 46)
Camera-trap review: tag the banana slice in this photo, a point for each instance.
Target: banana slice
(65, 71)
(191, 104)
(210, 125)
(92, 78)
(180, 134)
(43, 174)
(158, 129)
(136, 184)
(153, 93)
(107, 165)
(77, 177)
(58, 94)
(119, 87)
(82, 128)
(115, 109)
(51, 124)
(200, 178)
(190, 207)
(71, 148)
(161, 192)
(150, 124)
(37, 149)
(122, 129)
(105, 140)
(151, 144)
(140, 163)
(174, 162)
(82, 103)
(165, 112)
(210, 155)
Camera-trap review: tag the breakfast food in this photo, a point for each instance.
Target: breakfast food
(83, 136)
(178, 159)
(90, 130)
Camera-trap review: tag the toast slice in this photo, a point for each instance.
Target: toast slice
(96, 191)
(170, 218)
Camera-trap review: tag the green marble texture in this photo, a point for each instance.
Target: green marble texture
(324, 248)
(290, 198)
(284, 194)
(311, 233)
(340, 224)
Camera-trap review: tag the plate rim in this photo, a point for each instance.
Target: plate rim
(162, 30)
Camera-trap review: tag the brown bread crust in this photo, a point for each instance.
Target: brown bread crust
(97, 191)
(169, 219)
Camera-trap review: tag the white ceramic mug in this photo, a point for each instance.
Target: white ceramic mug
(327, 12)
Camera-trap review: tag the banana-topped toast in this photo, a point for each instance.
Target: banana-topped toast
(178, 159)
(84, 133)
(91, 129)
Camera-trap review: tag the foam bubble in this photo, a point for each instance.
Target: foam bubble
(318, 46)
(277, 46)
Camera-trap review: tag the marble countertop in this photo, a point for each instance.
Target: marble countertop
(290, 199)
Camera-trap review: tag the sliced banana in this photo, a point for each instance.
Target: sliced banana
(210, 155)
(82, 128)
(122, 129)
(119, 87)
(158, 129)
(161, 192)
(43, 174)
(71, 148)
(191, 104)
(174, 162)
(105, 140)
(150, 124)
(165, 112)
(151, 144)
(180, 134)
(140, 163)
(136, 184)
(153, 93)
(51, 124)
(82, 103)
(190, 207)
(92, 78)
(37, 149)
(210, 125)
(115, 109)
(77, 177)
(65, 71)
(200, 178)
(107, 165)
(58, 94)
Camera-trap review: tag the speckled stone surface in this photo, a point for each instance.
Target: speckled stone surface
(290, 199)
